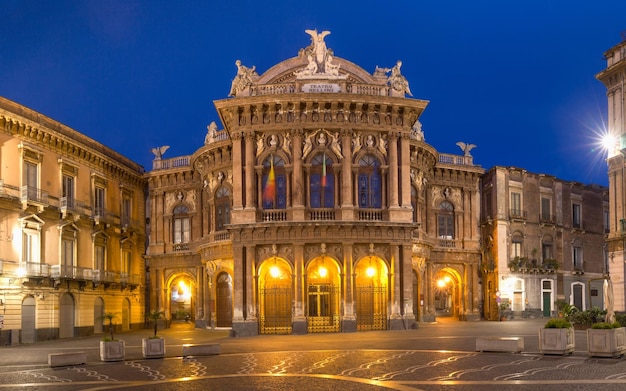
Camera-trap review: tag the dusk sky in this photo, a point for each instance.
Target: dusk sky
(516, 78)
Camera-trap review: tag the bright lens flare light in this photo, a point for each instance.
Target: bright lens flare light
(371, 272)
(608, 142)
(441, 283)
(322, 271)
(275, 271)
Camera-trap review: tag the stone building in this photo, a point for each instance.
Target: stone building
(72, 231)
(318, 207)
(544, 240)
(613, 78)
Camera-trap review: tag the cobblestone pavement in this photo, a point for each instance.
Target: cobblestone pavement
(434, 357)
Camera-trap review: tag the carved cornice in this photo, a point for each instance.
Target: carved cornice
(68, 143)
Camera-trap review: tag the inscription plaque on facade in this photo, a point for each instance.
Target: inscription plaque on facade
(320, 87)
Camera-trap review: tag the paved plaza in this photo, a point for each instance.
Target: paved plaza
(437, 356)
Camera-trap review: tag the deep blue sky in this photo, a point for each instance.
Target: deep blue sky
(516, 78)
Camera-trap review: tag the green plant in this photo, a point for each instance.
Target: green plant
(558, 323)
(621, 319)
(109, 316)
(154, 316)
(568, 310)
(605, 325)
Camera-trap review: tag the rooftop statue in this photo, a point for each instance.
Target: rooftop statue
(243, 78)
(397, 81)
(319, 57)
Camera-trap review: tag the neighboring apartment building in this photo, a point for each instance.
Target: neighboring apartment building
(319, 207)
(72, 231)
(614, 77)
(543, 241)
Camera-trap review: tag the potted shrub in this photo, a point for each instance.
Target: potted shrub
(154, 346)
(557, 337)
(111, 349)
(606, 340)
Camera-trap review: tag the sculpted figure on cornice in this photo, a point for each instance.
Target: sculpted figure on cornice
(382, 144)
(243, 79)
(287, 143)
(260, 143)
(335, 145)
(417, 177)
(397, 81)
(416, 131)
(356, 142)
(211, 133)
(319, 57)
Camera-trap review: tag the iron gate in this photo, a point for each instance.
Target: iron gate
(371, 308)
(323, 309)
(275, 311)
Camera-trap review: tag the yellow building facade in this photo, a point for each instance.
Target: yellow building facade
(317, 207)
(72, 231)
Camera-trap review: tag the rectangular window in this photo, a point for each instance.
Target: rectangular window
(578, 258)
(516, 249)
(546, 210)
(31, 179)
(606, 221)
(126, 211)
(67, 252)
(576, 219)
(446, 226)
(99, 201)
(181, 230)
(516, 204)
(67, 199)
(546, 251)
(98, 263)
(125, 262)
(30, 247)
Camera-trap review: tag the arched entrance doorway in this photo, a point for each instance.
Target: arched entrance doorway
(181, 298)
(371, 287)
(66, 316)
(28, 320)
(275, 297)
(98, 315)
(323, 296)
(447, 294)
(224, 300)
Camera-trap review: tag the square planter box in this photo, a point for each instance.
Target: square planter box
(153, 347)
(112, 350)
(556, 341)
(606, 342)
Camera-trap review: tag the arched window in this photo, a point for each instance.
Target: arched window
(445, 220)
(322, 182)
(222, 208)
(369, 182)
(182, 229)
(274, 183)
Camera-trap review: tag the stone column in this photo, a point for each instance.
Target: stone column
(241, 281)
(395, 318)
(429, 295)
(408, 296)
(237, 172)
(392, 149)
(348, 320)
(347, 199)
(200, 318)
(298, 177)
(299, 317)
(405, 170)
(250, 183)
(250, 301)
